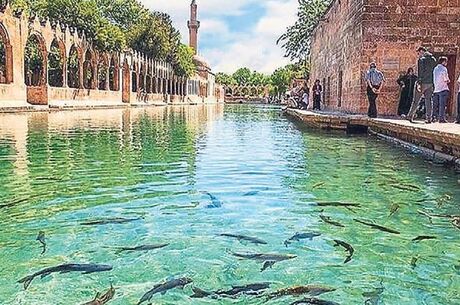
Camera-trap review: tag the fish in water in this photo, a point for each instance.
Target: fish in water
(300, 236)
(377, 227)
(413, 262)
(253, 240)
(423, 237)
(329, 220)
(251, 193)
(267, 264)
(373, 297)
(314, 301)
(394, 208)
(142, 248)
(116, 220)
(215, 202)
(269, 260)
(41, 239)
(65, 268)
(164, 287)
(251, 289)
(338, 204)
(102, 299)
(313, 290)
(347, 247)
(319, 184)
(456, 222)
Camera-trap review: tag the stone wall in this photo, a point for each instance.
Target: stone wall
(336, 55)
(391, 32)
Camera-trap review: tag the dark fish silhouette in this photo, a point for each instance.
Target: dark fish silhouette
(338, 204)
(314, 301)
(251, 289)
(373, 297)
(268, 259)
(215, 202)
(313, 290)
(102, 299)
(116, 220)
(377, 227)
(413, 262)
(253, 240)
(42, 241)
(300, 236)
(164, 287)
(267, 264)
(251, 193)
(394, 208)
(347, 247)
(319, 184)
(65, 268)
(329, 220)
(423, 237)
(142, 248)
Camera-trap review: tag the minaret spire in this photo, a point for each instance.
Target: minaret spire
(193, 26)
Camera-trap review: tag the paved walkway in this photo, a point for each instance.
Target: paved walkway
(451, 128)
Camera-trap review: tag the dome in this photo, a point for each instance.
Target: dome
(201, 63)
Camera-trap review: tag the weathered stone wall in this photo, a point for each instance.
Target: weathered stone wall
(357, 32)
(336, 55)
(394, 30)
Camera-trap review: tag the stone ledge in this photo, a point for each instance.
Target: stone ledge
(440, 140)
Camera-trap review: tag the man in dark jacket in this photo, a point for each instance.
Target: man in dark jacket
(426, 65)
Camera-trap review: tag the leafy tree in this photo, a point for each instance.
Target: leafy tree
(183, 61)
(297, 39)
(225, 79)
(242, 76)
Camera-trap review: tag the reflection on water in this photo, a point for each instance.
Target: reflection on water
(151, 191)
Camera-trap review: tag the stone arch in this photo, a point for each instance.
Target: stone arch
(126, 86)
(254, 92)
(134, 79)
(89, 75)
(114, 73)
(141, 82)
(73, 67)
(6, 57)
(35, 61)
(245, 91)
(228, 91)
(103, 71)
(56, 63)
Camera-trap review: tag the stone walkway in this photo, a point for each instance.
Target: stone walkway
(437, 140)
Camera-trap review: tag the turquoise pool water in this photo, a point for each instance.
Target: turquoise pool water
(164, 170)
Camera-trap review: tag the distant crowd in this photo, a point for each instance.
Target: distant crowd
(424, 94)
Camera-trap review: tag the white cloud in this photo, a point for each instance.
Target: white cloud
(228, 49)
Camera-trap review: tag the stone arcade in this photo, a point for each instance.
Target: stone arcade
(86, 77)
(354, 33)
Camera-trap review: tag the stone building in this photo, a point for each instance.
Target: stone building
(71, 73)
(353, 33)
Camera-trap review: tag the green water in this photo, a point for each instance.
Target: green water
(58, 170)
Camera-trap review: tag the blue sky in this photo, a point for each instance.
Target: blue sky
(235, 33)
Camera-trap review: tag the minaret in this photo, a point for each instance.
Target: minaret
(193, 26)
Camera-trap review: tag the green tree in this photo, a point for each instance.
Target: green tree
(242, 76)
(183, 61)
(297, 39)
(225, 79)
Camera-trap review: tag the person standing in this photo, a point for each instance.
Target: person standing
(317, 91)
(424, 87)
(407, 83)
(441, 90)
(374, 80)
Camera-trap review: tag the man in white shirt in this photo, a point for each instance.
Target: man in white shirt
(441, 90)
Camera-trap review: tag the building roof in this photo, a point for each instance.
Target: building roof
(201, 63)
